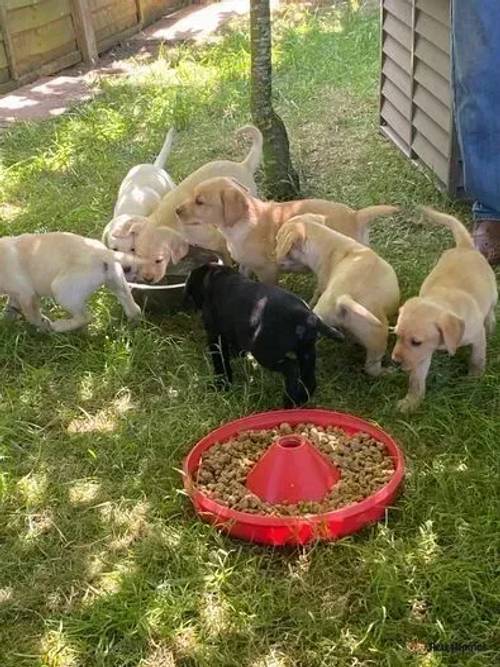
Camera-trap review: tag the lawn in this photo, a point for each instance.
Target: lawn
(103, 562)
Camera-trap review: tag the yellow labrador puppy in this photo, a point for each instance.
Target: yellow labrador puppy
(156, 248)
(455, 307)
(250, 225)
(151, 242)
(357, 290)
(140, 193)
(66, 267)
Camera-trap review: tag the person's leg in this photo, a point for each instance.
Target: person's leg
(475, 29)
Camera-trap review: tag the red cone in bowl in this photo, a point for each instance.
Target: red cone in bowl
(292, 470)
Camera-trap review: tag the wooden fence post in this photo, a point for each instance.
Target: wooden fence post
(140, 12)
(84, 30)
(7, 40)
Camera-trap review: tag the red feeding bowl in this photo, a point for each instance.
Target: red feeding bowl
(292, 470)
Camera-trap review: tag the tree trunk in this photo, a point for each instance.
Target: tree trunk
(282, 181)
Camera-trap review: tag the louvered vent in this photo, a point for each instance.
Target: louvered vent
(415, 95)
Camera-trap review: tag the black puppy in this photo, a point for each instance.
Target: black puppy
(275, 326)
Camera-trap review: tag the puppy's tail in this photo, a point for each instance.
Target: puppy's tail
(326, 330)
(366, 215)
(289, 234)
(353, 314)
(462, 237)
(165, 149)
(254, 157)
(126, 259)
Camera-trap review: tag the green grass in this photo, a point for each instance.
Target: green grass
(102, 559)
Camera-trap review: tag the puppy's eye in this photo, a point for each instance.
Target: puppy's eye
(415, 342)
(199, 201)
(158, 261)
(132, 249)
(114, 249)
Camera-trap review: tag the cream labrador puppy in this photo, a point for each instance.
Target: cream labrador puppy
(455, 307)
(156, 248)
(140, 192)
(250, 225)
(344, 297)
(150, 239)
(66, 267)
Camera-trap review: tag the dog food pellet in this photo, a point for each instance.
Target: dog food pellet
(364, 464)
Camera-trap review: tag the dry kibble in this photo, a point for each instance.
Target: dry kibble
(364, 463)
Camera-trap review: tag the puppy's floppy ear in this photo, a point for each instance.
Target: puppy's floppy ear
(289, 235)
(137, 226)
(234, 205)
(173, 242)
(125, 225)
(179, 248)
(451, 329)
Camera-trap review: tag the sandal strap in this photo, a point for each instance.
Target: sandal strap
(486, 236)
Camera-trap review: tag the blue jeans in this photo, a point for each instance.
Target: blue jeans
(475, 43)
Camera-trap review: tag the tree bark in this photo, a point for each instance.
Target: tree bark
(282, 181)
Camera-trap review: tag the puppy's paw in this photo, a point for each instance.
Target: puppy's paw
(297, 401)
(46, 325)
(388, 370)
(134, 312)
(408, 404)
(221, 384)
(475, 372)
(374, 371)
(10, 314)
(134, 316)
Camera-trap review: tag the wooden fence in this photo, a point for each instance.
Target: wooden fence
(40, 37)
(415, 95)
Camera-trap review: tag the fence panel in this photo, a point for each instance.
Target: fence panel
(112, 18)
(150, 10)
(42, 32)
(40, 37)
(4, 65)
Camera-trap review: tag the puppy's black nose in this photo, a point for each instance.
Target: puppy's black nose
(127, 269)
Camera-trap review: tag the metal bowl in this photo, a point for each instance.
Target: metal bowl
(168, 294)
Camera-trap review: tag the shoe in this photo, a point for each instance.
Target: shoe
(486, 236)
